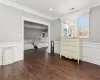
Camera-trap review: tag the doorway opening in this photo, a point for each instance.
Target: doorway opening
(36, 36)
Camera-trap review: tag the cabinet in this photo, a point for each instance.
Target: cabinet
(71, 48)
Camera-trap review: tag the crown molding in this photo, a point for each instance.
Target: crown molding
(28, 10)
(79, 11)
(92, 6)
(75, 13)
(23, 8)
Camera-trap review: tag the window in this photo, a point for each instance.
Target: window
(77, 27)
(83, 26)
(65, 29)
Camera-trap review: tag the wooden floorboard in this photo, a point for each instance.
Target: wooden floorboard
(39, 65)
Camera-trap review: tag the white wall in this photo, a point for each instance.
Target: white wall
(94, 26)
(56, 30)
(31, 33)
(11, 23)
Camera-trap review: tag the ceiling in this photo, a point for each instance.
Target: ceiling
(59, 7)
(33, 25)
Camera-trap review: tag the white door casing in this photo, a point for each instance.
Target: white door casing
(36, 21)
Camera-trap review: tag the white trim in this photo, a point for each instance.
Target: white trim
(36, 21)
(90, 44)
(9, 44)
(91, 52)
(36, 27)
(23, 8)
(92, 6)
(76, 14)
(14, 55)
(26, 9)
(82, 9)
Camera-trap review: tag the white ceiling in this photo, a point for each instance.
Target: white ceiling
(60, 7)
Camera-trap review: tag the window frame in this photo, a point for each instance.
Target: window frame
(73, 17)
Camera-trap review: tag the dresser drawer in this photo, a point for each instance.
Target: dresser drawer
(70, 40)
(70, 48)
(70, 44)
(67, 53)
(70, 55)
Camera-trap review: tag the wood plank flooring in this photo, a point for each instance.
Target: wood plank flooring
(38, 65)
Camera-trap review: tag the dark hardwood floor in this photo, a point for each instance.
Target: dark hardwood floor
(38, 65)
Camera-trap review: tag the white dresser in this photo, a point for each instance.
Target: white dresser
(71, 48)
